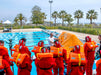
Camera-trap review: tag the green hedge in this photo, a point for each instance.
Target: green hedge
(94, 31)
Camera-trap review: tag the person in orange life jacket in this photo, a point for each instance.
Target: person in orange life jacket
(45, 64)
(5, 67)
(99, 37)
(98, 66)
(59, 60)
(25, 67)
(89, 54)
(4, 52)
(74, 68)
(22, 42)
(40, 45)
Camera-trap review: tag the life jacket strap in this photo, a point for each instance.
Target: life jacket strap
(79, 59)
(58, 53)
(40, 49)
(93, 45)
(17, 58)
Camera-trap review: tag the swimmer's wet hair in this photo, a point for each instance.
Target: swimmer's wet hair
(1, 41)
(24, 39)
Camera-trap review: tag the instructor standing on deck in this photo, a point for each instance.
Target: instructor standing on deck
(51, 39)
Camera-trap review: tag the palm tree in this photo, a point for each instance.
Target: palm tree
(62, 15)
(16, 20)
(91, 15)
(21, 18)
(55, 16)
(69, 19)
(78, 14)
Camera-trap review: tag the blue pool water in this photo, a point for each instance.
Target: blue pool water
(32, 39)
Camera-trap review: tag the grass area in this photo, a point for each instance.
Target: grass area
(94, 31)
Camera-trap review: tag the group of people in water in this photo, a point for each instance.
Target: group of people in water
(53, 57)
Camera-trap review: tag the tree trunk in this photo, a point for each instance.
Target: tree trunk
(55, 21)
(21, 22)
(90, 21)
(78, 21)
(62, 22)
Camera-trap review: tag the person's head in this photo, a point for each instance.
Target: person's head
(51, 34)
(24, 40)
(21, 42)
(99, 37)
(44, 50)
(77, 49)
(1, 43)
(88, 39)
(41, 44)
(57, 44)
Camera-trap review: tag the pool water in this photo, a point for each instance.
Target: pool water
(32, 39)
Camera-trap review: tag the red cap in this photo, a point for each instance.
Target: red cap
(41, 44)
(77, 49)
(21, 42)
(44, 50)
(57, 44)
(88, 39)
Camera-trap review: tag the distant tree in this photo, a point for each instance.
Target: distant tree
(37, 16)
(91, 15)
(69, 19)
(16, 20)
(43, 17)
(78, 15)
(55, 16)
(20, 17)
(62, 15)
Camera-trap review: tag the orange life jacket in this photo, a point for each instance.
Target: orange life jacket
(77, 59)
(92, 45)
(3, 48)
(56, 51)
(18, 58)
(1, 65)
(16, 48)
(98, 62)
(45, 61)
(44, 55)
(36, 49)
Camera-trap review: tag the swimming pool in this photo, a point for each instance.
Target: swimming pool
(32, 39)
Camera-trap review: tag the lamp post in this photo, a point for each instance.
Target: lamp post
(50, 1)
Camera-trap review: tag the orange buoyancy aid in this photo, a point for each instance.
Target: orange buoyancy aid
(92, 45)
(3, 48)
(44, 55)
(1, 65)
(56, 51)
(98, 62)
(77, 59)
(45, 60)
(18, 58)
(16, 48)
(36, 49)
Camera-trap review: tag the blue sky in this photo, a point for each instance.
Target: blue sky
(10, 8)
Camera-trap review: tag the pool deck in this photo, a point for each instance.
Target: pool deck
(79, 35)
